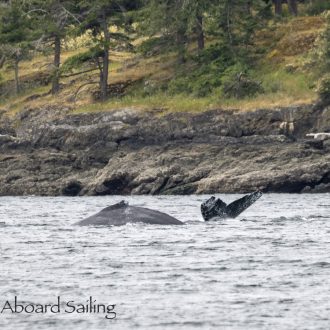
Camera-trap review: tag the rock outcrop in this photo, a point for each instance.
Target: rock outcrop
(55, 152)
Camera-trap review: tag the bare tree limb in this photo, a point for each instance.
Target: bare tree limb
(2, 61)
(37, 9)
(78, 73)
(72, 15)
(82, 86)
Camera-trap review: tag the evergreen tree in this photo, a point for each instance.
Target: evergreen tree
(176, 20)
(237, 22)
(15, 36)
(278, 7)
(293, 7)
(53, 20)
(196, 12)
(170, 19)
(98, 16)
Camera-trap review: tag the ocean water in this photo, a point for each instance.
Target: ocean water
(267, 269)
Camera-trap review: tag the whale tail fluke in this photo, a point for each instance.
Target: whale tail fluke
(213, 207)
(216, 208)
(237, 207)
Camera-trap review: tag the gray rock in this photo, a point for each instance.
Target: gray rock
(53, 152)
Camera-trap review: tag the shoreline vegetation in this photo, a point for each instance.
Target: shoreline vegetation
(217, 96)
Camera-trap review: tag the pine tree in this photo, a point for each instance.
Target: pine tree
(97, 17)
(15, 36)
(177, 21)
(53, 20)
(238, 21)
(278, 7)
(293, 7)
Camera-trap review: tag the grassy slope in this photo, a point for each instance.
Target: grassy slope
(286, 78)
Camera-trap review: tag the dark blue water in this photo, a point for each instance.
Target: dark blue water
(267, 269)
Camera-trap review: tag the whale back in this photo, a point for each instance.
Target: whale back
(122, 213)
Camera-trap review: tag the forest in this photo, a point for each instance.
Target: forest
(177, 54)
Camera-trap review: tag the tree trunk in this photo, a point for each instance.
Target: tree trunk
(2, 61)
(104, 76)
(180, 41)
(56, 64)
(293, 7)
(248, 7)
(228, 8)
(17, 87)
(200, 32)
(278, 7)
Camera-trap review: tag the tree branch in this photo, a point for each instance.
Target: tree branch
(72, 15)
(2, 61)
(82, 86)
(37, 9)
(78, 73)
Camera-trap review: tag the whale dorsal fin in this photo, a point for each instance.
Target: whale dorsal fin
(120, 205)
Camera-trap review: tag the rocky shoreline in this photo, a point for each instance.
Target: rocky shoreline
(52, 151)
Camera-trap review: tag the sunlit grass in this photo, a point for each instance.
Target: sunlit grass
(281, 87)
(16, 103)
(165, 103)
(160, 101)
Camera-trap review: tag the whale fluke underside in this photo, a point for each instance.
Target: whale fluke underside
(121, 214)
(216, 208)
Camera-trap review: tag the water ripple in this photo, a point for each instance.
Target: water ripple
(267, 269)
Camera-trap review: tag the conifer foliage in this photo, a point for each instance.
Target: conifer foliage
(181, 26)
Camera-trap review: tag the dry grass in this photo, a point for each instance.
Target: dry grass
(287, 42)
(164, 103)
(160, 102)
(15, 104)
(293, 38)
(276, 100)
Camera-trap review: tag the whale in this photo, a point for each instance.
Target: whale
(122, 213)
(215, 208)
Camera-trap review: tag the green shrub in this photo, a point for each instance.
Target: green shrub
(155, 46)
(323, 89)
(180, 85)
(237, 83)
(318, 59)
(209, 66)
(216, 57)
(80, 59)
(205, 84)
(317, 7)
(148, 87)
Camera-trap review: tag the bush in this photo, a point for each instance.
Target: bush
(214, 67)
(179, 85)
(80, 59)
(317, 7)
(236, 83)
(206, 75)
(147, 87)
(205, 84)
(155, 46)
(319, 56)
(323, 89)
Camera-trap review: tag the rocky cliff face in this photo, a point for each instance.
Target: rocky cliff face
(53, 152)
